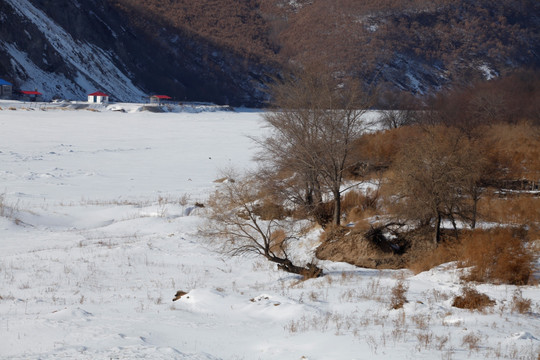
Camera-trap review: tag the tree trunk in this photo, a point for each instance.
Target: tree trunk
(337, 207)
(438, 229)
(474, 211)
(308, 272)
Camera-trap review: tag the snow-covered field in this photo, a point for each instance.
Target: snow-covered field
(98, 231)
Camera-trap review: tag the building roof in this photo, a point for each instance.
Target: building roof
(31, 92)
(165, 97)
(98, 93)
(4, 82)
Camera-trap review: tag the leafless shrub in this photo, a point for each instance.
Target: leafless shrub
(441, 341)
(472, 300)
(421, 321)
(398, 298)
(472, 341)
(425, 338)
(520, 304)
(400, 328)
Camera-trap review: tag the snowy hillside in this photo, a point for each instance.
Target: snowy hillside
(93, 67)
(99, 230)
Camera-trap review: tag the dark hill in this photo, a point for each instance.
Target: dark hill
(223, 50)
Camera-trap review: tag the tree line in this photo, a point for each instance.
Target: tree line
(434, 162)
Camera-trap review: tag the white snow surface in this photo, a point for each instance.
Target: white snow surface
(96, 238)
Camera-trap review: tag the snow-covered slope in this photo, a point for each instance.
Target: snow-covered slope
(98, 231)
(91, 67)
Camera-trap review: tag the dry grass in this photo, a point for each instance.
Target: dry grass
(472, 300)
(517, 210)
(269, 210)
(498, 256)
(359, 206)
(520, 304)
(471, 341)
(398, 298)
(447, 251)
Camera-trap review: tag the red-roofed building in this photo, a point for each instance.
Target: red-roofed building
(98, 98)
(157, 99)
(31, 95)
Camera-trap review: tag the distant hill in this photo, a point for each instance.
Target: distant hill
(224, 50)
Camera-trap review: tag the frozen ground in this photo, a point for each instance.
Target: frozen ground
(98, 231)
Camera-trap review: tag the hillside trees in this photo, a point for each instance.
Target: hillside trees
(312, 131)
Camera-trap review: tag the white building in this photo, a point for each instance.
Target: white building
(98, 98)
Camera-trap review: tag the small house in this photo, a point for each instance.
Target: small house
(6, 89)
(31, 95)
(158, 99)
(98, 98)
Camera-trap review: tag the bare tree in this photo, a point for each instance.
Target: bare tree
(433, 177)
(400, 109)
(234, 216)
(317, 118)
(393, 119)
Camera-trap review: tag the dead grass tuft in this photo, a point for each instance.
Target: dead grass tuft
(472, 341)
(398, 298)
(520, 304)
(472, 300)
(359, 207)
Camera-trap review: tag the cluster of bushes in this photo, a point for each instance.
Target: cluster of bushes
(434, 180)
(470, 157)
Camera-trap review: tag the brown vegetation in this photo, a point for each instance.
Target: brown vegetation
(398, 298)
(472, 300)
(520, 304)
(361, 248)
(460, 40)
(230, 24)
(313, 132)
(432, 176)
(499, 256)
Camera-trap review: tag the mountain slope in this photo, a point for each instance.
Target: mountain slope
(59, 64)
(417, 45)
(224, 50)
(71, 48)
